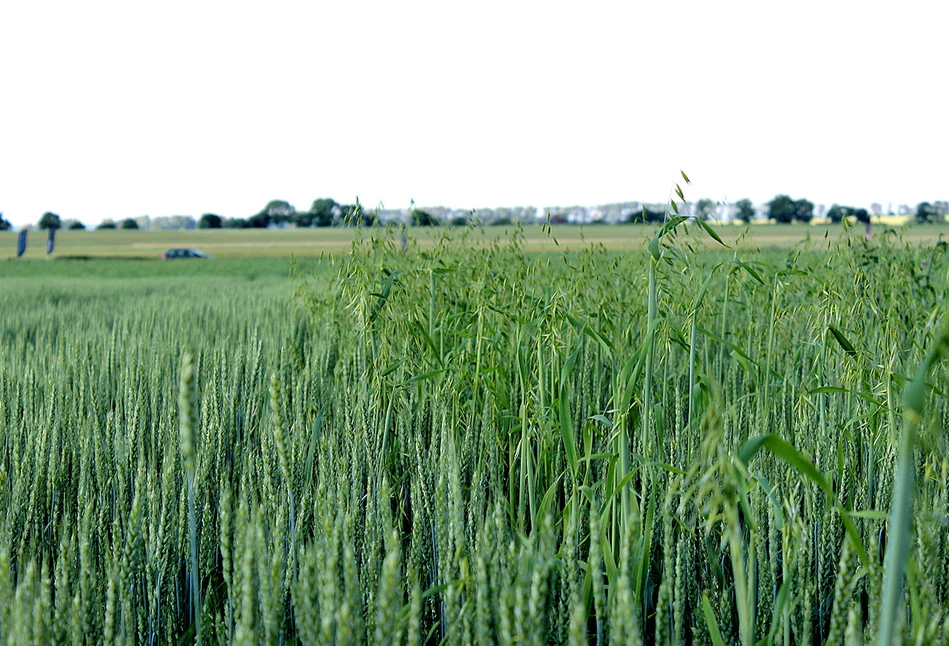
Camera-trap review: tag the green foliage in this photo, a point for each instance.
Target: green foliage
(76, 225)
(704, 208)
(50, 221)
(473, 444)
(783, 210)
(322, 213)
(746, 210)
(237, 223)
(803, 210)
(210, 221)
(368, 218)
(276, 212)
(128, 224)
(647, 215)
(105, 224)
(259, 221)
(4, 224)
(420, 218)
(351, 215)
(836, 213)
(926, 212)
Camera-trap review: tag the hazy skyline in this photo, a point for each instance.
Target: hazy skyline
(113, 110)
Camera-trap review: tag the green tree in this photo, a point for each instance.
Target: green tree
(210, 221)
(323, 211)
(105, 224)
(259, 221)
(704, 208)
(836, 213)
(420, 218)
(803, 210)
(782, 209)
(50, 221)
(276, 212)
(746, 210)
(926, 212)
(4, 225)
(279, 211)
(128, 224)
(303, 219)
(369, 218)
(236, 223)
(76, 225)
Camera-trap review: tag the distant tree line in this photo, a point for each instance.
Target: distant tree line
(326, 212)
(50, 220)
(785, 210)
(704, 208)
(838, 213)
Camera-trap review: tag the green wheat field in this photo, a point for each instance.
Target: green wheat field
(487, 437)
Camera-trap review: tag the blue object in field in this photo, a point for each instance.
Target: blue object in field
(21, 243)
(50, 241)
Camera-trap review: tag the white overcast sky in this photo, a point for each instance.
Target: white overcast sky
(119, 109)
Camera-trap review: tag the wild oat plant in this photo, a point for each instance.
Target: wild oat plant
(478, 445)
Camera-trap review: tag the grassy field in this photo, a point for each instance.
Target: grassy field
(281, 243)
(477, 441)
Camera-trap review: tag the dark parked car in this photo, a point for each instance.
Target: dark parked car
(173, 254)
